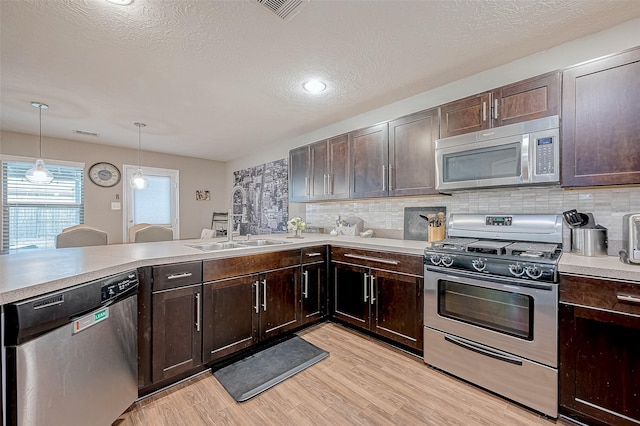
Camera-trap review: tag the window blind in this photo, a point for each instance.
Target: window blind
(32, 214)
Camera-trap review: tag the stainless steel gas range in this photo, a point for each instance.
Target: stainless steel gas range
(491, 305)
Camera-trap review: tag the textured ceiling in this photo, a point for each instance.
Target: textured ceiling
(215, 79)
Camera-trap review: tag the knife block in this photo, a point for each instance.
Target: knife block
(435, 233)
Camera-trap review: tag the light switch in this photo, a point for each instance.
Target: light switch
(115, 206)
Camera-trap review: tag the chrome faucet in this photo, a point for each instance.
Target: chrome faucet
(243, 215)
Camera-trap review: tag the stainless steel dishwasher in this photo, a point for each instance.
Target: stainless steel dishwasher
(71, 355)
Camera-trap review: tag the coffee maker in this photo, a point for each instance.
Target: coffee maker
(630, 238)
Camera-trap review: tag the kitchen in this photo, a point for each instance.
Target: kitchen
(382, 215)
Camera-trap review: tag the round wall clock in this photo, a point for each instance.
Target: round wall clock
(104, 174)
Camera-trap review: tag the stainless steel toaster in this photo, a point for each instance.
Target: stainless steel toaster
(631, 237)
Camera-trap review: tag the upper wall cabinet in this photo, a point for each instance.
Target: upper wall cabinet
(601, 122)
(529, 99)
(395, 158)
(299, 174)
(329, 169)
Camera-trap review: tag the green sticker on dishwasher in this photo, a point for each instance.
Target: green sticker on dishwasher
(89, 320)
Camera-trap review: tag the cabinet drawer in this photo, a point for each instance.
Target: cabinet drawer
(176, 275)
(243, 265)
(619, 296)
(314, 254)
(396, 262)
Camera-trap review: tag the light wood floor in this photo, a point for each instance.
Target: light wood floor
(362, 382)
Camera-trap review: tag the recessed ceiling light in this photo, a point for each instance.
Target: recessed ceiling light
(314, 86)
(120, 2)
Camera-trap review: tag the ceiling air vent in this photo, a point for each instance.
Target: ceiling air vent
(83, 133)
(285, 9)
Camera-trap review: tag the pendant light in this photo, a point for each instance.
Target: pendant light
(138, 180)
(39, 173)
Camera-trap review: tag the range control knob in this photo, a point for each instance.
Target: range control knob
(447, 261)
(516, 269)
(435, 259)
(478, 264)
(533, 272)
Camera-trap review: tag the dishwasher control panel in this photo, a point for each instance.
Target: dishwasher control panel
(117, 286)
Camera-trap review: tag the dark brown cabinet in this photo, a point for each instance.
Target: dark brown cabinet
(329, 169)
(239, 311)
(299, 174)
(379, 292)
(411, 154)
(176, 321)
(599, 350)
(600, 124)
(313, 290)
(369, 162)
(529, 99)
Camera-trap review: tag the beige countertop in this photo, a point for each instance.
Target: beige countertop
(30, 274)
(608, 267)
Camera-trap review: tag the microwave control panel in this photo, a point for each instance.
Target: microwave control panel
(545, 154)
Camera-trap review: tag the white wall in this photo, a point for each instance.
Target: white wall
(613, 40)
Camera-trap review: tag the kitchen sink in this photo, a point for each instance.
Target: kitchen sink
(261, 242)
(225, 245)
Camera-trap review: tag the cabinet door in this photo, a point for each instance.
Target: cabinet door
(313, 292)
(526, 100)
(369, 157)
(466, 115)
(599, 365)
(351, 294)
(230, 316)
(318, 174)
(338, 173)
(600, 125)
(280, 301)
(411, 157)
(398, 307)
(176, 331)
(298, 174)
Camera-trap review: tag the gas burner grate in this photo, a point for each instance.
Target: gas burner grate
(452, 243)
(525, 249)
(488, 247)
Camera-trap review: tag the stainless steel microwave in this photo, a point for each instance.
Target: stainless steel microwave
(525, 153)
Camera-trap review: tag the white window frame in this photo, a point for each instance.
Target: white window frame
(127, 172)
(9, 158)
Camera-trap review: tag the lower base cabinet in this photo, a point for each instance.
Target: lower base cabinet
(239, 311)
(387, 302)
(600, 350)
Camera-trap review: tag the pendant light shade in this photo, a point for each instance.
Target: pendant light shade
(138, 180)
(39, 173)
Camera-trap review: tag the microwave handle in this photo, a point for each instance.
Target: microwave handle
(525, 159)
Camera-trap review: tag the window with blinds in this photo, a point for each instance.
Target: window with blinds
(32, 214)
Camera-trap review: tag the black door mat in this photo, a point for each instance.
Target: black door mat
(248, 377)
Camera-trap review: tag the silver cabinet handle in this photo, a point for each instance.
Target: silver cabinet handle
(198, 311)
(628, 298)
(372, 259)
(366, 285)
(306, 185)
(180, 275)
(330, 189)
(384, 180)
(495, 109)
(324, 184)
(264, 295)
(315, 254)
(257, 306)
(372, 299)
(390, 177)
(484, 111)
(305, 292)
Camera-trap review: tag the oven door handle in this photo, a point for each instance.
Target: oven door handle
(513, 282)
(482, 350)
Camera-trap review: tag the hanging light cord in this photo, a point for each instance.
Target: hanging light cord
(139, 135)
(40, 155)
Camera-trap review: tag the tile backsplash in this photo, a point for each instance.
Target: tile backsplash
(386, 215)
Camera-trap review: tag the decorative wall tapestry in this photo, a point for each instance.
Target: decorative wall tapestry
(267, 194)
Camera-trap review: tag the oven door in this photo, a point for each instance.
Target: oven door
(513, 315)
